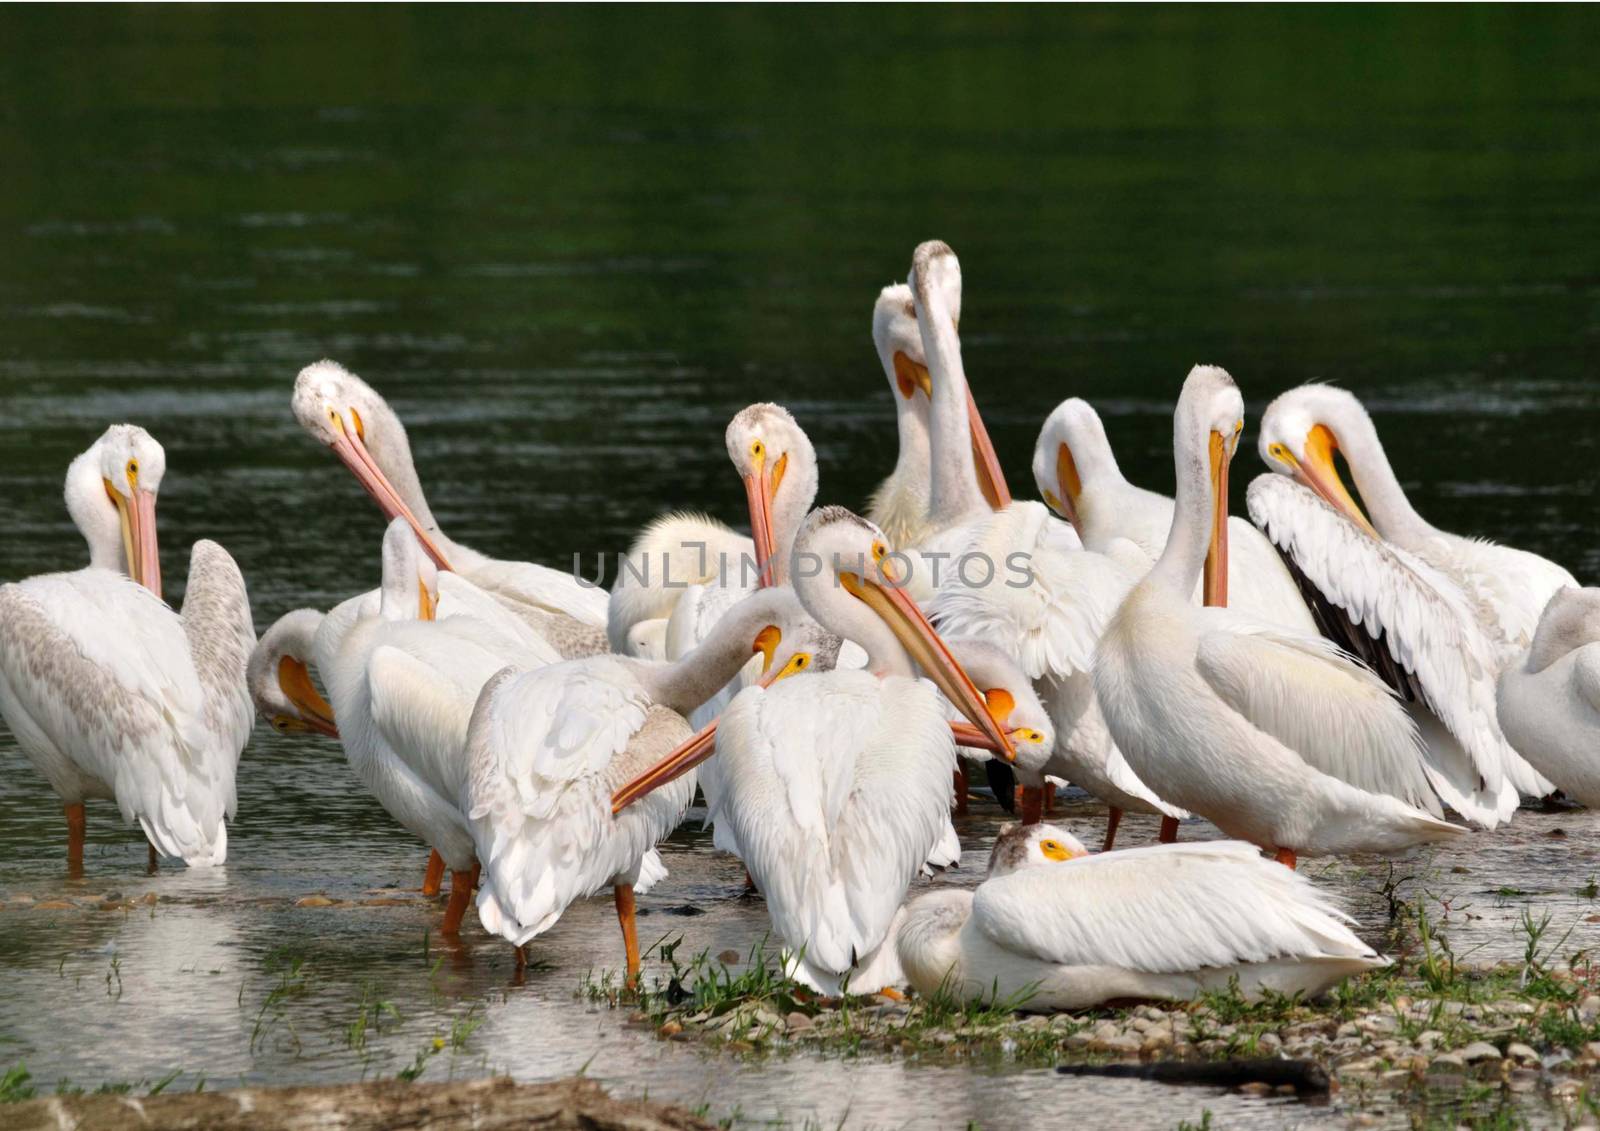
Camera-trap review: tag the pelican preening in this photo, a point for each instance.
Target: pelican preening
(109, 692)
(836, 784)
(1339, 680)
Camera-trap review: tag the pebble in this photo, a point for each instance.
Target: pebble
(53, 905)
(1255, 1088)
(1447, 1062)
(670, 1029)
(313, 901)
(728, 957)
(1591, 1050)
(1589, 1008)
(1479, 1050)
(1119, 1045)
(797, 1022)
(1156, 1041)
(1519, 1051)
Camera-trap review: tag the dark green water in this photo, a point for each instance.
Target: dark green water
(569, 244)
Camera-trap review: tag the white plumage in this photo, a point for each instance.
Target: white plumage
(109, 692)
(1047, 604)
(1549, 699)
(1058, 929)
(836, 792)
(1077, 474)
(1248, 724)
(340, 410)
(1410, 622)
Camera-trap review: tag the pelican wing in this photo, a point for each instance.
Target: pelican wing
(552, 590)
(1408, 621)
(835, 790)
(97, 669)
(1317, 701)
(1508, 588)
(1165, 909)
(544, 753)
(221, 635)
(1037, 586)
(1586, 676)
(460, 599)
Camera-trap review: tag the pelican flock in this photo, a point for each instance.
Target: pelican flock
(1332, 677)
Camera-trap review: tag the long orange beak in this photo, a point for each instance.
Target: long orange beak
(684, 758)
(991, 479)
(137, 516)
(966, 734)
(1216, 571)
(352, 452)
(758, 496)
(897, 610)
(295, 681)
(1319, 473)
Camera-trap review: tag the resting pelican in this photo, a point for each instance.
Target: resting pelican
(1057, 929)
(1046, 600)
(684, 570)
(1503, 590)
(836, 784)
(546, 749)
(1077, 474)
(1277, 737)
(110, 693)
(279, 677)
(343, 412)
(1300, 434)
(899, 507)
(1550, 699)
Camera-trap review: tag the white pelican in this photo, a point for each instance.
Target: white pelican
(278, 676)
(1550, 699)
(1046, 600)
(110, 693)
(1057, 929)
(346, 414)
(899, 506)
(1300, 434)
(403, 686)
(1277, 737)
(836, 785)
(547, 748)
(685, 570)
(1077, 474)
(1504, 590)
(962, 461)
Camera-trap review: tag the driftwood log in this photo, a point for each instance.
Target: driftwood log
(388, 1105)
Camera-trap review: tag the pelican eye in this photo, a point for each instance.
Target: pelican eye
(280, 722)
(878, 551)
(133, 468)
(1054, 850)
(757, 448)
(1280, 453)
(797, 664)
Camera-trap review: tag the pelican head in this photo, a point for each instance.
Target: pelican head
(1071, 449)
(410, 584)
(345, 413)
(1011, 700)
(935, 285)
(899, 343)
(1206, 430)
(1032, 846)
(789, 642)
(111, 494)
(279, 677)
(854, 585)
(1571, 620)
(1300, 435)
(774, 457)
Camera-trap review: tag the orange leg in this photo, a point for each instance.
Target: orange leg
(1030, 805)
(630, 930)
(1113, 819)
(750, 883)
(477, 873)
(1286, 857)
(460, 896)
(434, 876)
(151, 860)
(1169, 830)
(1049, 797)
(521, 958)
(960, 809)
(75, 829)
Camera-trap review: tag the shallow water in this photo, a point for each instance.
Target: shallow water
(569, 245)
